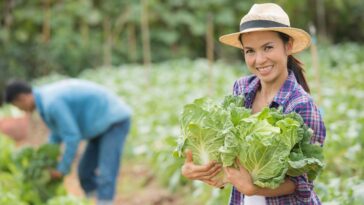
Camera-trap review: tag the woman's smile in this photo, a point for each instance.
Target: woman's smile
(265, 70)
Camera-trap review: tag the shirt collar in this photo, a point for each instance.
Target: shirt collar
(38, 102)
(283, 94)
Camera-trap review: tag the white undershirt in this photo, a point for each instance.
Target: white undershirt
(254, 200)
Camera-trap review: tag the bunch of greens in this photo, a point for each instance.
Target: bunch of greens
(24, 173)
(269, 144)
(7, 148)
(67, 200)
(205, 126)
(38, 186)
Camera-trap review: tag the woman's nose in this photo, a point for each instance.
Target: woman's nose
(260, 58)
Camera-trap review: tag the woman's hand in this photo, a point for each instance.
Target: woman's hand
(203, 173)
(241, 179)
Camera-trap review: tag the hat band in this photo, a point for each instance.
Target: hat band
(260, 24)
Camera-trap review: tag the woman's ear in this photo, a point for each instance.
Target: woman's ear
(289, 46)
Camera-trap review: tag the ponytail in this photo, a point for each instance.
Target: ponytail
(295, 66)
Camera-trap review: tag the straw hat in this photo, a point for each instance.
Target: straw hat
(268, 17)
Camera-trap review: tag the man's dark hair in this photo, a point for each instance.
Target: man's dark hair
(14, 88)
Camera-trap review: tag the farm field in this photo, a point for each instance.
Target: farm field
(151, 174)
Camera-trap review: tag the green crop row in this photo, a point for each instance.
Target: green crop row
(158, 95)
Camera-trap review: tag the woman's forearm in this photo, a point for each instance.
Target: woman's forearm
(287, 187)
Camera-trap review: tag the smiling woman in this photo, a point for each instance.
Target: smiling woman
(277, 80)
(268, 43)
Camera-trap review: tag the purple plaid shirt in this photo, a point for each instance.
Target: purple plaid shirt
(291, 97)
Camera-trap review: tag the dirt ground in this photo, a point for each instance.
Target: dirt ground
(136, 183)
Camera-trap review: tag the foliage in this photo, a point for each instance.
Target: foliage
(7, 148)
(8, 198)
(269, 144)
(25, 177)
(37, 185)
(204, 128)
(156, 121)
(41, 37)
(272, 145)
(10, 111)
(341, 181)
(67, 200)
(172, 84)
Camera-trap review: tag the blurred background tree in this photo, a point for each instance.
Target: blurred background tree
(68, 36)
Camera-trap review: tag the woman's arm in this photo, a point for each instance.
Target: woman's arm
(243, 182)
(287, 187)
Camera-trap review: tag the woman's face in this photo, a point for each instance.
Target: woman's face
(266, 55)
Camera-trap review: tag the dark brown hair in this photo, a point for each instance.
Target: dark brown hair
(293, 64)
(14, 88)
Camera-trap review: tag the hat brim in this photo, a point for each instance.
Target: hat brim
(301, 39)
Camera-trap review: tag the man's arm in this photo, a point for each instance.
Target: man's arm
(68, 131)
(54, 138)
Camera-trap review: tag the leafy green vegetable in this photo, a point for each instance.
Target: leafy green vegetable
(67, 200)
(7, 147)
(24, 173)
(10, 184)
(8, 198)
(306, 157)
(38, 186)
(269, 144)
(272, 144)
(204, 127)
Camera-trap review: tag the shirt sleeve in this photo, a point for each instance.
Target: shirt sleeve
(312, 118)
(54, 138)
(68, 132)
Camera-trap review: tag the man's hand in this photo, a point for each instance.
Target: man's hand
(55, 174)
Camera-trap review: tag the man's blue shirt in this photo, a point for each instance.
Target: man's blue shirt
(75, 110)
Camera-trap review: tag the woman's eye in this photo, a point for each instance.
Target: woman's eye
(268, 48)
(248, 51)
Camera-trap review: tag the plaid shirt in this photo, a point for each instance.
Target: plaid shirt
(291, 97)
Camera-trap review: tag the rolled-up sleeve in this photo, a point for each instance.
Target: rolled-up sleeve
(303, 188)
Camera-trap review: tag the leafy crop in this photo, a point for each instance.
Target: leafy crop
(269, 144)
(158, 104)
(66, 200)
(35, 164)
(24, 174)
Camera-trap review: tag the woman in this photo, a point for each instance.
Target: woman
(268, 42)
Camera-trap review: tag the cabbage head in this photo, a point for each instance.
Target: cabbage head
(271, 145)
(204, 126)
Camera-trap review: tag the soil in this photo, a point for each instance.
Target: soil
(136, 183)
